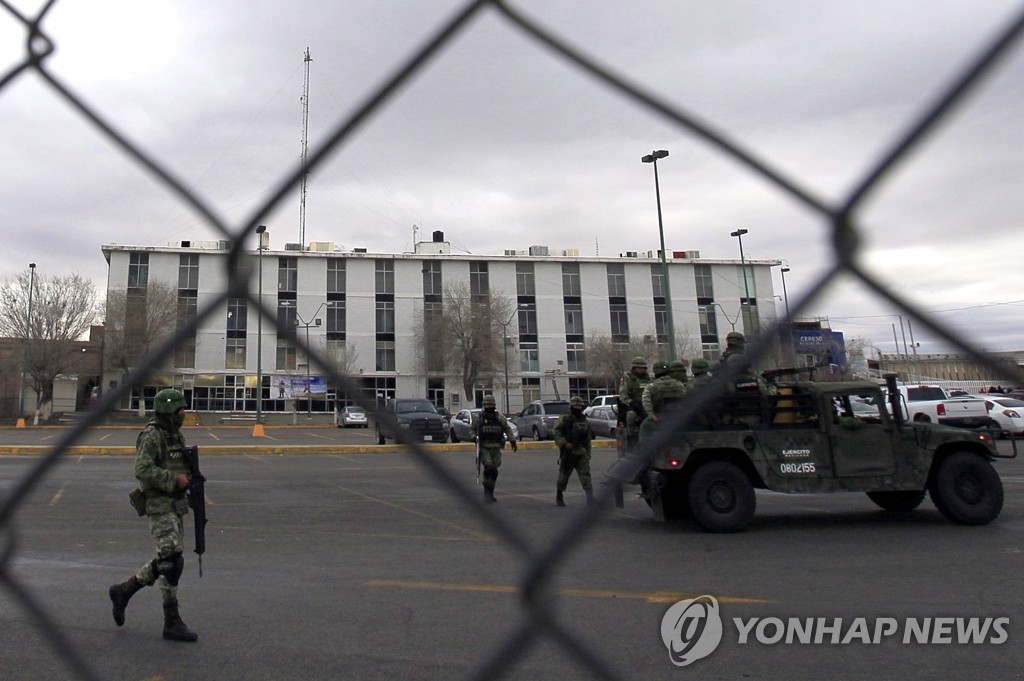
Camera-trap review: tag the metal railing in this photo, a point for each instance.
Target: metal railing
(540, 561)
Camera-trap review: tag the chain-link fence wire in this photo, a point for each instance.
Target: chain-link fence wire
(540, 562)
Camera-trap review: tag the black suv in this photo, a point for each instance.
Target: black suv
(417, 416)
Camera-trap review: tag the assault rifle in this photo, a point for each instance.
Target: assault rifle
(197, 500)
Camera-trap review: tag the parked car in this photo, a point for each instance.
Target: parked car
(461, 422)
(1007, 412)
(417, 415)
(601, 401)
(352, 416)
(603, 421)
(443, 411)
(538, 418)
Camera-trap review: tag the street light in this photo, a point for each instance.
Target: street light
(299, 323)
(789, 319)
(260, 247)
(653, 159)
(504, 346)
(746, 291)
(28, 340)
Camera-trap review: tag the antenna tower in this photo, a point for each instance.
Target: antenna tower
(305, 147)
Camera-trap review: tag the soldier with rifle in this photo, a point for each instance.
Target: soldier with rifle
(167, 471)
(631, 409)
(491, 429)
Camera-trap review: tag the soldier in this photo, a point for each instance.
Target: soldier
(677, 369)
(735, 343)
(163, 476)
(631, 409)
(572, 435)
(658, 396)
(700, 368)
(491, 428)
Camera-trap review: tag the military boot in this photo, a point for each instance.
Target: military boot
(559, 501)
(174, 628)
(590, 497)
(489, 495)
(120, 594)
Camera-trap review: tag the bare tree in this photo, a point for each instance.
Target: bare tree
(136, 320)
(63, 309)
(607, 361)
(467, 333)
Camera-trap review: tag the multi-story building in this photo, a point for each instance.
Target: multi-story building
(365, 311)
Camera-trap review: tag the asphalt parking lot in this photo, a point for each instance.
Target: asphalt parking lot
(366, 566)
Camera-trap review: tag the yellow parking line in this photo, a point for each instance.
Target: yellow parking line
(649, 597)
(441, 521)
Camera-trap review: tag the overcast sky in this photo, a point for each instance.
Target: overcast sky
(502, 145)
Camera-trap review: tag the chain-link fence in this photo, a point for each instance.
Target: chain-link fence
(541, 562)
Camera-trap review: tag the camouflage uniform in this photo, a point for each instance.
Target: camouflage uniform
(677, 370)
(631, 390)
(159, 465)
(658, 396)
(735, 343)
(490, 429)
(572, 435)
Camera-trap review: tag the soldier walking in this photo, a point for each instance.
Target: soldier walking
(491, 428)
(163, 476)
(572, 435)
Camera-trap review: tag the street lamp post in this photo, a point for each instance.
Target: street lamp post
(258, 430)
(652, 158)
(28, 340)
(746, 290)
(504, 346)
(299, 322)
(789, 319)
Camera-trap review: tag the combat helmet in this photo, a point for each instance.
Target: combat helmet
(489, 401)
(700, 366)
(576, 401)
(735, 338)
(639, 361)
(168, 401)
(661, 368)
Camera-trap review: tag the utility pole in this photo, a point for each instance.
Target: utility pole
(305, 147)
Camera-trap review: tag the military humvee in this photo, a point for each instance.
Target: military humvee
(815, 437)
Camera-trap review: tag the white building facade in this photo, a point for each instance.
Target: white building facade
(363, 311)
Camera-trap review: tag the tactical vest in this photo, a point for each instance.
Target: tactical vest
(170, 457)
(745, 383)
(490, 432)
(576, 431)
(665, 391)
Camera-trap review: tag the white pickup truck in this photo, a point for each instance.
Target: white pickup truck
(929, 403)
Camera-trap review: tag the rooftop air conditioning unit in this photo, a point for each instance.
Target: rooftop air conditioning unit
(539, 250)
(293, 247)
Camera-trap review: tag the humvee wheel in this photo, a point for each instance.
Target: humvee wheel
(721, 497)
(897, 502)
(967, 490)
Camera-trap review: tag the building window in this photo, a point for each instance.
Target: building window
(575, 356)
(336, 320)
(287, 275)
(287, 357)
(385, 356)
(337, 353)
(287, 318)
(234, 355)
(531, 389)
(573, 319)
(702, 278)
(433, 327)
(708, 323)
(710, 351)
(432, 278)
(385, 316)
(525, 285)
(479, 284)
(384, 277)
(571, 279)
(138, 270)
(616, 280)
(661, 322)
(527, 321)
(619, 322)
(188, 272)
(237, 317)
(335, 275)
(529, 357)
(185, 350)
(658, 281)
